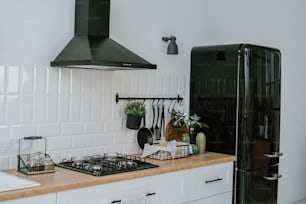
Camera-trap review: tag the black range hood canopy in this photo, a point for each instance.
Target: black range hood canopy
(91, 46)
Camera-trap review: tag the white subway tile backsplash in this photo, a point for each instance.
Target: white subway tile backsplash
(51, 108)
(20, 131)
(94, 151)
(81, 141)
(12, 79)
(107, 102)
(52, 80)
(40, 80)
(75, 109)
(26, 108)
(86, 108)
(4, 132)
(103, 139)
(2, 78)
(131, 148)
(143, 83)
(59, 143)
(96, 107)
(76, 81)
(86, 85)
(2, 109)
(107, 83)
(94, 127)
(97, 82)
(49, 129)
(72, 128)
(64, 81)
(63, 108)
(26, 80)
(12, 109)
(112, 126)
(39, 108)
(182, 82)
(113, 149)
(124, 138)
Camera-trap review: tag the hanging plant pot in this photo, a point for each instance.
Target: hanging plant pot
(133, 122)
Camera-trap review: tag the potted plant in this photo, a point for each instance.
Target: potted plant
(134, 110)
(193, 123)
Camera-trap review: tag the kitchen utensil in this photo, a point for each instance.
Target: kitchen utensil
(162, 122)
(153, 113)
(144, 135)
(177, 118)
(157, 129)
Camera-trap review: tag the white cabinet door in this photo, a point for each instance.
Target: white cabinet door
(225, 198)
(101, 194)
(209, 180)
(165, 188)
(45, 199)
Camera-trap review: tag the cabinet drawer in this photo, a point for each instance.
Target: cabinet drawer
(209, 180)
(225, 198)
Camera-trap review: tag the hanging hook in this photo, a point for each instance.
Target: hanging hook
(170, 104)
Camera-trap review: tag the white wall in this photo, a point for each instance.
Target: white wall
(34, 31)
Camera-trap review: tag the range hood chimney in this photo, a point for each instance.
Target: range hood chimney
(91, 46)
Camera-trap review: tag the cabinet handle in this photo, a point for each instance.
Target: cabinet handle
(150, 194)
(214, 180)
(274, 177)
(116, 201)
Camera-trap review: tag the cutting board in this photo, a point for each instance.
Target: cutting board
(10, 182)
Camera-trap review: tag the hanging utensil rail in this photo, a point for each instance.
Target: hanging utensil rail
(178, 98)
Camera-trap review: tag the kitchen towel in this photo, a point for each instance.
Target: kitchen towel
(137, 199)
(151, 149)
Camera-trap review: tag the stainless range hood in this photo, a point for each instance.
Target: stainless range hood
(91, 46)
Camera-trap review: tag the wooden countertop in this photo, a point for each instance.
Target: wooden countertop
(64, 179)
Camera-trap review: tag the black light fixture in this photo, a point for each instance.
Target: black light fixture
(172, 47)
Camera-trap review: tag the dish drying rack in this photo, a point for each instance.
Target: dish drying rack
(34, 163)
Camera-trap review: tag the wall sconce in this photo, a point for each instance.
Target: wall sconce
(172, 47)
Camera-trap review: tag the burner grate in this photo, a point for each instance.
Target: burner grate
(98, 165)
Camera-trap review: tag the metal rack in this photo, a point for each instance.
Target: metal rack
(178, 98)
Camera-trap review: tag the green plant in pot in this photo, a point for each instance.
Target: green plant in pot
(194, 122)
(134, 110)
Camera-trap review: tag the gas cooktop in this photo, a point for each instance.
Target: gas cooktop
(101, 165)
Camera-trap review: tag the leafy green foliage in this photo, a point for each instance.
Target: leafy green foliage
(135, 108)
(194, 121)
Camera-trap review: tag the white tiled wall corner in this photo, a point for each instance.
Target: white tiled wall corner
(75, 109)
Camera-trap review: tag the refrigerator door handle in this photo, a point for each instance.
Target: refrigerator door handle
(274, 177)
(274, 155)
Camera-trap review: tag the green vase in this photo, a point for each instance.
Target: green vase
(201, 142)
(133, 122)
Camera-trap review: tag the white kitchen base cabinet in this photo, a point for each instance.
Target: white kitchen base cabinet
(164, 188)
(203, 185)
(208, 181)
(225, 198)
(45, 199)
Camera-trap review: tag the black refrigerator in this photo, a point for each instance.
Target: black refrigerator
(235, 89)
